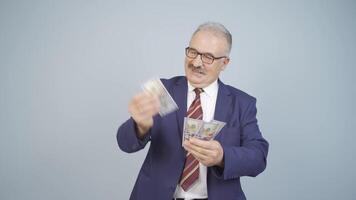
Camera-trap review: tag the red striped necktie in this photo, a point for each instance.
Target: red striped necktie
(191, 167)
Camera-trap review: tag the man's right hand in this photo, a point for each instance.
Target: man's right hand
(142, 108)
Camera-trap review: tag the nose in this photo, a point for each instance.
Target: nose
(197, 62)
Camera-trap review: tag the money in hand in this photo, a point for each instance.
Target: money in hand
(156, 87)
(200, 129)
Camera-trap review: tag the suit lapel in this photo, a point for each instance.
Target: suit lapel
(223, 103)
(180, 95)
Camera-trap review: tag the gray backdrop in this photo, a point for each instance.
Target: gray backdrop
(69, 68)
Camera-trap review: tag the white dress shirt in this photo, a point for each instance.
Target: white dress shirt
(199, 189)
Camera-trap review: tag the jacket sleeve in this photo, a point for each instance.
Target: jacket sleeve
(127, 137)
(248, 159)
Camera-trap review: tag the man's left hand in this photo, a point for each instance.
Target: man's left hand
(209, 153)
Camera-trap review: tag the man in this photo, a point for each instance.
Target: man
(198, 169)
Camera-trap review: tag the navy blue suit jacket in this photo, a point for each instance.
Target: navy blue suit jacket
(245, 150)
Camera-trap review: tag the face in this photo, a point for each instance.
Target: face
(200, 74)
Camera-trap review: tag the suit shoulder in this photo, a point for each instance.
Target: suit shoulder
(241, 95)
(168, 83)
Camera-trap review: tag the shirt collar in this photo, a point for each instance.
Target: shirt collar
(210, 90)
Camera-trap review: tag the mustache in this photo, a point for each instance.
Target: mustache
(191, 66)
(198, 69)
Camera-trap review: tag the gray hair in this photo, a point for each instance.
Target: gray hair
(218, 29)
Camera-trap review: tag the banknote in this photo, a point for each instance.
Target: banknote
(221, 124)
(191, 127)
(156, 87)
(209, 130)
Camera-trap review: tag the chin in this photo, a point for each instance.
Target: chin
(196, 81)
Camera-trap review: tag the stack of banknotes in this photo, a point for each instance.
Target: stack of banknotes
(201, 129)
(156, 87)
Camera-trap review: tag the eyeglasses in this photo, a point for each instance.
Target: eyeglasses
(206, 58)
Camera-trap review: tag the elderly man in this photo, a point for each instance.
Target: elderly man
(196, 169)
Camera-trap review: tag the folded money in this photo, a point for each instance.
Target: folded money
(200, 129)
(156, 87)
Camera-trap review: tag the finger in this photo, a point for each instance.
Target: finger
(138, 106)
(142, 118)
(196, 154)
(142, 100)
(149, 109)
(142, 114)
(203, 144)
(200, 157)
(147, 99)
(139, 97)
(150, 96)
(198, 149)
(209, 159)
(144, 97)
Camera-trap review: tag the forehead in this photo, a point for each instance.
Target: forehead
(208, 42)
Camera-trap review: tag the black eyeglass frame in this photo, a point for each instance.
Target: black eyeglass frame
(202, 54)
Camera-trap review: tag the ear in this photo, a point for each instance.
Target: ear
(225, 62)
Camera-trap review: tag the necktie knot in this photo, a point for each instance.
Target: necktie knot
(198, 91)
